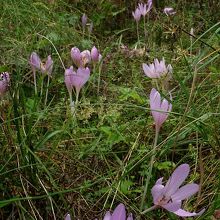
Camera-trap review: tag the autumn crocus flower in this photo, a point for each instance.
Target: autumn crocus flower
(137, 14)
(144, 9)
(4, 82)
(159, 108)
(171, 195)
(157, 69)
(36, 64)
(169, 11)
(84, 20)
(68, 217)
(95, 55)
(76, 79)
(118, 214)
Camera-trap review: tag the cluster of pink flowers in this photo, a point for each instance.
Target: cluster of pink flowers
(73, 78)
(77, 78)
(168, 196)
(81, 59)
(159, 108)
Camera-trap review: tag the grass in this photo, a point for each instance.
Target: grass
(53, 163)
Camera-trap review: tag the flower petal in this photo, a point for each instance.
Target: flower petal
(157, 191)
(185, 192)
(183, 213)
(177, 178)
(68, 217)
(119, 213)
(130, 217)
(49, 65)
(163, 115)
(172, 206)
(107, 216)
(148, 70)
(35, 60)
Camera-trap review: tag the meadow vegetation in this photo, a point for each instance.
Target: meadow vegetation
(86, 157)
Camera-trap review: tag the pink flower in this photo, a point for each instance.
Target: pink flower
(157, 69)
(76, 79)
(68, 217)
(85, 57)
(95, 54)
(137, 14)
(84, 20)
(169, 11)
(159, 109)
(118, 214)
(171, 195)
(143, 7)
(4, 83)
(45, 68)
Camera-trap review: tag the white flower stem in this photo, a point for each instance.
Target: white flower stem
(48, 83)
(72, 106)
(35, 82)
(42, 85)
(77, 97)
(150, 209)
(150, 169)
(138, 32)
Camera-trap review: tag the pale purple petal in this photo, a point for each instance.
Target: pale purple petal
(157, 192)
(169, 69)
(76, 56)
(163, 115)
(94, 54)
(80, 78)
(176, 179)
(155, 101)
(172, 206)
(185, 192)
(119, 213)
(130, 217)
(143, 8)
(184, 213)
(84, 20)
(68, 78)
(147, 70)
(85, 57)
(49, 65)
(107, 216)
(136, 14)
(35, 61)
(68, 217)
(149, 3)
